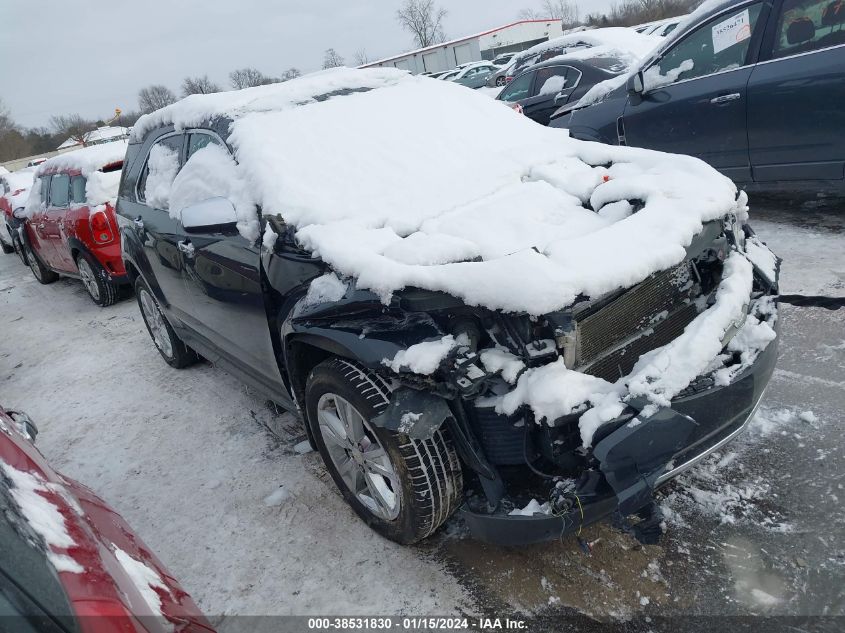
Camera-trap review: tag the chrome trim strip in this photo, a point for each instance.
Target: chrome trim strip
(794, 55)
(698, 458)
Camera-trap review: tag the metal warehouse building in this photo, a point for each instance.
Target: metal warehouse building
(506, 39)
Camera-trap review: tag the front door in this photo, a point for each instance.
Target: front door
(796, 118)
(222, 271)
(148, 216)
(695, 94)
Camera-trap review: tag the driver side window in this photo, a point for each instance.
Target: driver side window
(159, 171)
(518, 89)
(719, 45)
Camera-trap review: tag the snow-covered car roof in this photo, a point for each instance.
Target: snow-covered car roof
(620, 39)
(100, 188)
(524, 220)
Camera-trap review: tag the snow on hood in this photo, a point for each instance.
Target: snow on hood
(100, 188)
(31, 492)
(420, 182)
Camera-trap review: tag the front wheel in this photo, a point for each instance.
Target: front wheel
(174, 352)
(500, 81)
(402, 488)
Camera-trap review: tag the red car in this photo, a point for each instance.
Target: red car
(68, 562)
(14, 192)
(71, 227)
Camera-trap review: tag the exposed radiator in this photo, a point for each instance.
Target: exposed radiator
(612, 337)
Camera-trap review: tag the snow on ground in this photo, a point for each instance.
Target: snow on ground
(187, 459)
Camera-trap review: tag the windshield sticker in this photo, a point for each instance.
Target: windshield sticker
(731, 31)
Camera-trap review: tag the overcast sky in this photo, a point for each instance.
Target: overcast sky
(90, 56)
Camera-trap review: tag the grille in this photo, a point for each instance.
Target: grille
(638, 309)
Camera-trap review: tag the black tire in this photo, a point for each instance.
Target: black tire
(102, 290)
(19, 250)
(428, 472)
(174, 352)
(43, 274)
(7, 249)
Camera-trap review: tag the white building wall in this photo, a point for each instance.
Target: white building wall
(519, 33)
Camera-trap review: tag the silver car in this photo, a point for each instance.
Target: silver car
(475, 76)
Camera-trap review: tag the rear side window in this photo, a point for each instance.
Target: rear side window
(551, 81)
(160, 169)
(59, 190)
(77, 189)
(808, 25)
(720, 44)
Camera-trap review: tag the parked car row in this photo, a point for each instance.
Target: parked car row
(59, 216)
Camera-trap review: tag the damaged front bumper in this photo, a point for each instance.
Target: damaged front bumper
(636, 456)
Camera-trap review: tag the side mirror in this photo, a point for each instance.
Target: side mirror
(211, 212)
(19, 213)
(636, 84)
(561, 97)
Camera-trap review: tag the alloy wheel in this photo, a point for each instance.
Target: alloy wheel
(500, 81)
(359, 457)
(155, 321)
(88, 278)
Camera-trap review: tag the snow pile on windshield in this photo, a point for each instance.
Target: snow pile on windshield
(100, 188)
(31, 493)
(523, 220)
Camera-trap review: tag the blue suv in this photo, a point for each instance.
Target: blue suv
(755, 88)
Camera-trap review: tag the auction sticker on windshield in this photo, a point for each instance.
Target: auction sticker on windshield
(731, 31)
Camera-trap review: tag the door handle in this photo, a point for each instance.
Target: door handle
(139, 223)
(41, 226)
(186, 247)
(725, 98)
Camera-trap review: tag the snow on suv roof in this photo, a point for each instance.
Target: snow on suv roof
(85, 160)
(523, 220)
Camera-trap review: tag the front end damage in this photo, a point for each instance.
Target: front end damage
(534, 477)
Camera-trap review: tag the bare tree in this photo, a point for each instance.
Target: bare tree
(6, 122)
(154, 97)
(247, 78)
(199, 86)
(290, 73)
(332, 59)
(361, 57)
(73, 127)
(423, 20)
(564, 10)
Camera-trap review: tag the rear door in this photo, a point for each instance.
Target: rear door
(222, 270)
(796, 95)
(553, 86)
(147, 210)
(49, 225)
(695, 95)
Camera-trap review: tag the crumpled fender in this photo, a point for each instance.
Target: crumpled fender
(636, 454)
(418, 414)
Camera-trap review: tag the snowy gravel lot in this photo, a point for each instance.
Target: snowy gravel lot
(207, 474)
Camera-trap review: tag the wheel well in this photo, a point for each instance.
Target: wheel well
(302, 358)
(131, 271)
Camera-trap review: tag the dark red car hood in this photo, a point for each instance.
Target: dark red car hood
(105, 569)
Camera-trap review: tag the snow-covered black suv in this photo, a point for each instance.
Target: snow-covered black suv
(534, 330)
